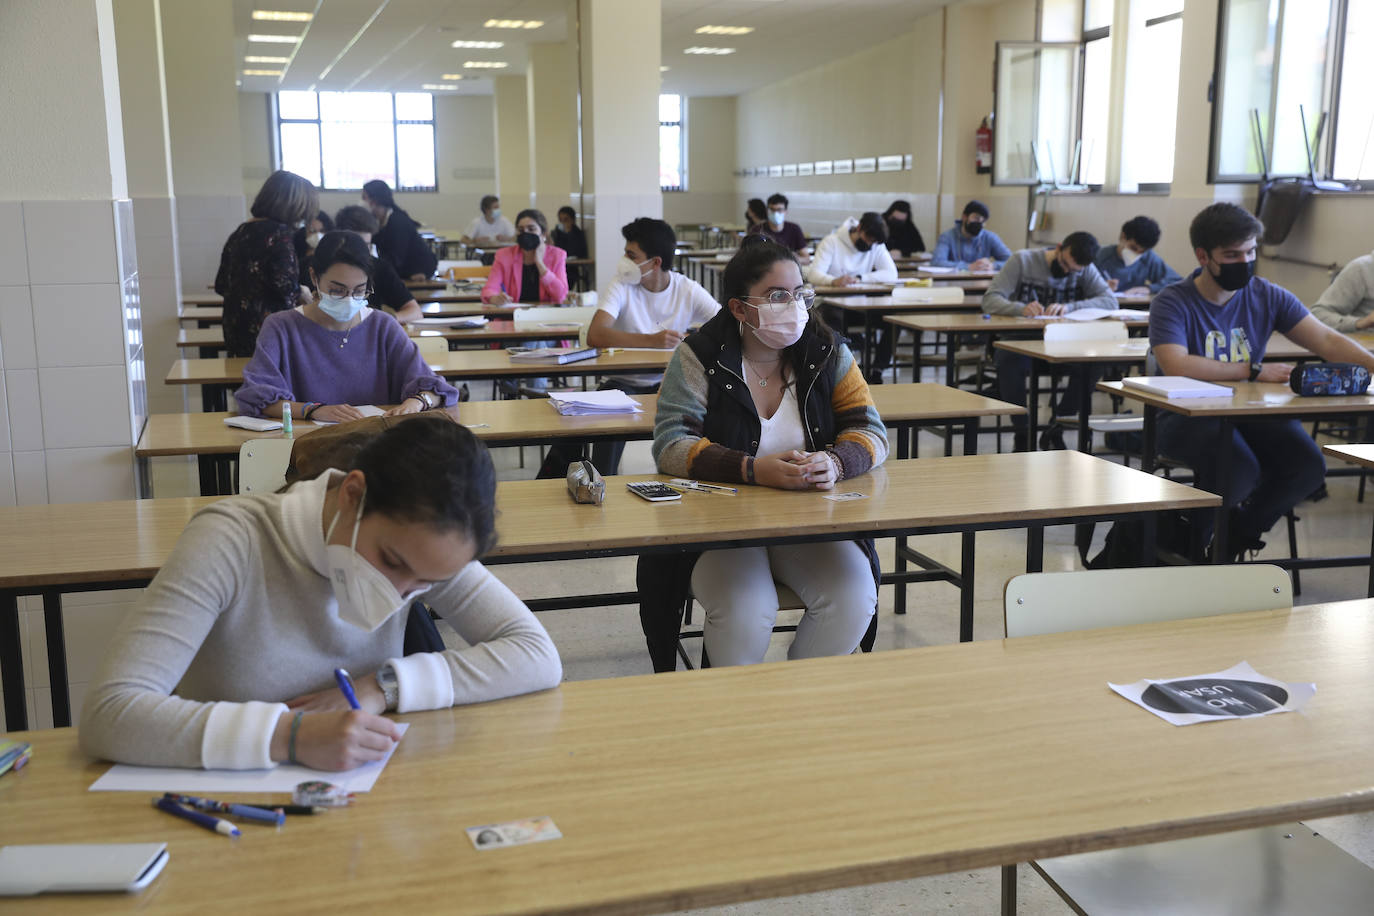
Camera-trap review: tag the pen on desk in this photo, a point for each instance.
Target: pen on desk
(291, 809)
(14, 758)
(213, 824)
(250, 812)
(346, 686)
(698, 485)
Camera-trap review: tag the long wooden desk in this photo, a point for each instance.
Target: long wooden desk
(202, 299)
(874, 307)
(501, 330)
(904, 408)
(66, 547)
(217, 376)
(668, 788)
(208, 315)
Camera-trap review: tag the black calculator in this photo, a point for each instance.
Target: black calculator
(653, 491)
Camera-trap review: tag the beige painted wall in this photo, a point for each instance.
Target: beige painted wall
(511, 127)
(466, 165)
(710, 194)
(551, 89)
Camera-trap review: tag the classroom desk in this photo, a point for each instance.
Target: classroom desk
(472, 294)
(874, 306)
(1250, 401)
(670, 792)
(67, 547)
(202, 299)
(217, 376)
(904, 408)
(1361, 455)
(208, 315)
(955, 274)
(498, 331)
(203, 315)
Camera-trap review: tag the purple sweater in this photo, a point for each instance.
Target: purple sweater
(298, 360)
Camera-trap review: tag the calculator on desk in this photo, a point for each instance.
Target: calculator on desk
(652, 490)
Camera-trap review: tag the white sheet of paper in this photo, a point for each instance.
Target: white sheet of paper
(366, 410)
(473, 321)
(1239, 692)
(123, 777)
(926, 268)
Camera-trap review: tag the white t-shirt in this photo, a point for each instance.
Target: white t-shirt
(481, 229)
(684, 303)
(783, 431)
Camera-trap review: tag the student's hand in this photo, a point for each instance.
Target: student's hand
(1365, 322)
(1032, 309)
(409, 405)
(666, 339)
(1057, 309)
(1275, 372)
(306, 294)
(1113, 283)
(846, 281)
(1136, 291)
(819, 468)
(499, 299)
(340, 740)
(337, 413)
(980, 264)
(331, 699)
(782, 471)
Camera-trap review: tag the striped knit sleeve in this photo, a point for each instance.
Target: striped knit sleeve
(679, 447)
(860, 437)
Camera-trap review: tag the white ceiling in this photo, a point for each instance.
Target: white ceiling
(398, 45)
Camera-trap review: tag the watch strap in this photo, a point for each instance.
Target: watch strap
(390, 686)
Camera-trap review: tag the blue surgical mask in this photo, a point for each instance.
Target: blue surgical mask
(342, 308)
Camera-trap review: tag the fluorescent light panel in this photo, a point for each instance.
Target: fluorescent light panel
(513, 23)
(725, 30)
(282, 16)
(478, 44)
(266, 60)
(262, 73)
(434, 87)
(275, 39)
(485, 64)
(454, 76)
(699, 50)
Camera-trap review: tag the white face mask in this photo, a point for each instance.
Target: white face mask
(313, 239)
(628, 272)
(366, 598)
(779, 329)
(777, 218)
(342, 308)
(495, 215)
(1129, 256)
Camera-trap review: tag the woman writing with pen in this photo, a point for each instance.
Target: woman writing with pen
(228, 660)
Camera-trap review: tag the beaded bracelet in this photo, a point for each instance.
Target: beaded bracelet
(291, 742)
(749, 469)
(839, 466)
(309, 408)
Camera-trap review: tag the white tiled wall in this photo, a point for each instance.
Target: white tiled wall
(72, 389)
(203, 223)
(159, 298)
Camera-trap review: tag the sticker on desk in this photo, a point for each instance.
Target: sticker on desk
(845, 497)
(1239, 692)
(514, 833)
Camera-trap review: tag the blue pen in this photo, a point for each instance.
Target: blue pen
(346, 685)
(213, 824)
(248, 812)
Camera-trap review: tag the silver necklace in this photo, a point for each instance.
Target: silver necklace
(763, 379)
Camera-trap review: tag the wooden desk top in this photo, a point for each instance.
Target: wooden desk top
(888, 303)
(1363, 455)
(1133, 350)
(939, 274)
(463, 364)
(128, 540)
(464, 309)
(442, 295)
(1251, 399)
(211, 313)
(972, 323)
(533, 420)
(679, 790)
(202, 299)
(857, 289)
(498, 329)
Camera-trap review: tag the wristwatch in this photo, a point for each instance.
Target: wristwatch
(1255, 369)
(391, 687)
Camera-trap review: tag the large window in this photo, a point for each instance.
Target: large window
(339, 140)
(672, 139)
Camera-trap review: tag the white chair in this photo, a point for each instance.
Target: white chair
(432, 349)
(263, 463)
(1285, 869)
(1106, 329)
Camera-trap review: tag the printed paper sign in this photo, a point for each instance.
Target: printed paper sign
(1239, 692)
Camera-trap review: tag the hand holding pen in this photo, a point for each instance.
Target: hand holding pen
(339, 738)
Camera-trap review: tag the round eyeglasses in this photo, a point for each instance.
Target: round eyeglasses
(779, 299)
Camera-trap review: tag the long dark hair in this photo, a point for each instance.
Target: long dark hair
(379, 192)
(756, 256)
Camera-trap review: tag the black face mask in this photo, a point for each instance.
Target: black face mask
(972, 228)
(529, 241)
(1234, 276)
(1057, 269)
(862, 244)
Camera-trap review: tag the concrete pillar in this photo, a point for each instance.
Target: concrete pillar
(203, 121)
(510, 110)
(619, 119)
(143, 92)
(551, 87)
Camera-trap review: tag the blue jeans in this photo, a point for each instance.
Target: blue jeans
(1011, 384)
(1274, 466)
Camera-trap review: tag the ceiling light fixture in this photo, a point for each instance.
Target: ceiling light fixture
(513, 23)
(454, 76)
(262, 73)
(478, 44)
(282, 16)
(275, 39)
(266, 60)
(699, 50)
(485, 64)
(725, 30)
(664, 69)
(435, 87)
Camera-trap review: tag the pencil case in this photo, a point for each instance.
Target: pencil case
(585, 483)
(1325, 379)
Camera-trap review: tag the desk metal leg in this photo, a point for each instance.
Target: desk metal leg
(1035, 549)
(12, 664)
(205, 464)
(971, 436)
(951, 366)
(868, 342)
(1220, 532)
(1083, 532)
(1008, 890)
(57, 659)
(1371, 564)
(966, 563)
(1033, 408)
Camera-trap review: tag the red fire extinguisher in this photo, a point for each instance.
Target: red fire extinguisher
(982, 157)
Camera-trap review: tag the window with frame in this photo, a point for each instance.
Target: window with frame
(672, 143)
(339, 140)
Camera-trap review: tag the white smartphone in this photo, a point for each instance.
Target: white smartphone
(653, 491)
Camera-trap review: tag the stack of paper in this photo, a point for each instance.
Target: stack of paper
(593, 403)
(472, 321)
(1177, 386)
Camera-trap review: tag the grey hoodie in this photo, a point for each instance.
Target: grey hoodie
(1026, 278)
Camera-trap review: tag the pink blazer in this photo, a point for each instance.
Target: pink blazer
(509, 264)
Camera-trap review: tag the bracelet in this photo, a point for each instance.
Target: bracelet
(291, 742)
(308, 408)
(749, 469)
(839, 466)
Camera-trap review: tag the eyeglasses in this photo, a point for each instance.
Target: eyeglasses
(779, 299)
(343, 292)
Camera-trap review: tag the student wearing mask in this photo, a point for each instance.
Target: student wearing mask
(332, 355)
(1214, 326)
(648, 304)
(491, 229)
(1348, 303)
(388, 290)
(970, 245)
(755, 214)
(767, 394)
(902, 234)
(258, 272)
(1131, 266)
(530, 271)
(305, 240)
(398, 240)
(1046, 281)
(853, 253)
(776, 227)
(227, 661)
(570, 237)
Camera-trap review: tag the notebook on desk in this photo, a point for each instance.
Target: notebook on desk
(557, 355)
(1176, 386)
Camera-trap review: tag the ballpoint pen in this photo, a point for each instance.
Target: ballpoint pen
(346, 686)
(213, 824)
(684, 484)
(250, 812)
